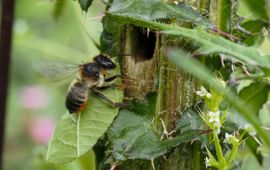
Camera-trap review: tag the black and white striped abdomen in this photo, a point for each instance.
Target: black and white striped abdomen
(77, 97)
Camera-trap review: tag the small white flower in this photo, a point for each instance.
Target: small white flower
(203, 93)
(227, 138)
(250, 129)
(223, 83)
(208, 95)
(214, 120)
(175, 2)
(213, 116)
(230, 139)
(207, 162)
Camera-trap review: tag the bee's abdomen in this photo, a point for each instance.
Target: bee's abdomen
(76, 98)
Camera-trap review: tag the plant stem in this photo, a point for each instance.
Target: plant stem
(232, 154)
(196, 155)
(221, 159)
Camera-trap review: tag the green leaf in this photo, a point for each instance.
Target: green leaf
(133, 136)
(190, 119)
(255, 95)
(185, 62)
(258, 8)
(85, 4)
(216, 44)
(254, 147)
(153, 10)
(75, 134)
(254, 26)
(251, 32)
(209, 43)
(87, 160)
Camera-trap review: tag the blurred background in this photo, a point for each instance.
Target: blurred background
(43, 29)
(46, 29)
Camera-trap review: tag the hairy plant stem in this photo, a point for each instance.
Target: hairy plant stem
(232, 153)
(221, 159)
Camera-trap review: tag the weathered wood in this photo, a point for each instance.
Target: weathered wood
(141, 64)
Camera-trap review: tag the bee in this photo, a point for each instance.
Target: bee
(92, 76)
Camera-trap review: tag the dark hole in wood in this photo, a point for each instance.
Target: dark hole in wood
(143, 43)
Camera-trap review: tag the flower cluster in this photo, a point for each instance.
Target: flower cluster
(213, 119)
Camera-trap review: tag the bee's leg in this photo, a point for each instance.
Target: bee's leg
(103, 97)
(112, 85)
(109, 82)
(112, 78)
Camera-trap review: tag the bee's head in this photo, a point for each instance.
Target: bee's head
(91, 70)
(105, 62)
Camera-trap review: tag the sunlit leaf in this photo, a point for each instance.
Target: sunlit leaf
(152, 10)
(75, 134)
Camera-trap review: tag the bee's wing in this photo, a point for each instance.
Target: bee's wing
(55, 70)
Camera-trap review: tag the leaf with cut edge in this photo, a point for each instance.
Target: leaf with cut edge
(255, 95)
(155, 10)
(85, 4)
(185, 62)
(133, 137)
(75, 134)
